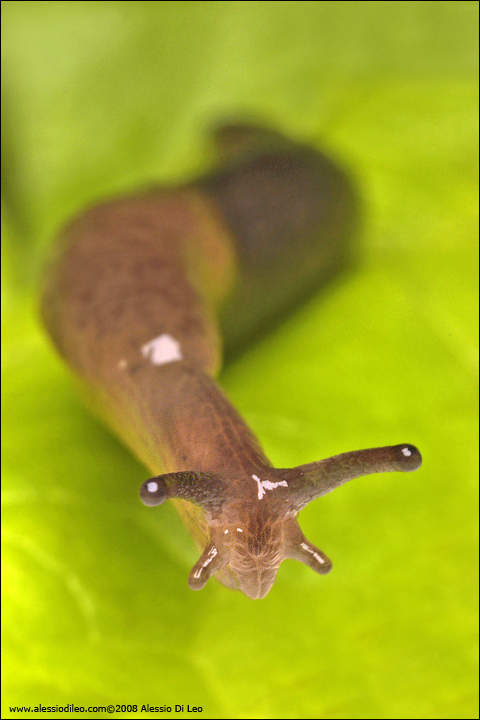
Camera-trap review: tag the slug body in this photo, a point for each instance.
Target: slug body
(137, 300)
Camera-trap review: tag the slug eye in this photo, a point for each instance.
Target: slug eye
(154, 491)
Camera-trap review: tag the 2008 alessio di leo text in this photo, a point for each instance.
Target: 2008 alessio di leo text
(109, 709)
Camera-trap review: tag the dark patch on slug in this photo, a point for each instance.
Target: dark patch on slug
(272, 201)
(293, 213)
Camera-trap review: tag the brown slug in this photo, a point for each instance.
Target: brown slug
(134, 300)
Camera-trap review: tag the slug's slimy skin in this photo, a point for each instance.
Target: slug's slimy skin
(134, 301)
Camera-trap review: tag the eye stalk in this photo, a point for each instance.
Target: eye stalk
(311, 481)
(204, 489)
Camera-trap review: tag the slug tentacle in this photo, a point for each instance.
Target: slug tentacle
(204, 489)
(311, 481)
(299, 548)
(144, 294)
(208, 564)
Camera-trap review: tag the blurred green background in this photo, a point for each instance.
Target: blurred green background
(100, 97)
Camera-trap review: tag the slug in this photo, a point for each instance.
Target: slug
(137, 299)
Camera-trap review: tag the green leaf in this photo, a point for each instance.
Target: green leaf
(101, 97)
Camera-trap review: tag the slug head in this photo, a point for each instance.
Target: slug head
(252, 521)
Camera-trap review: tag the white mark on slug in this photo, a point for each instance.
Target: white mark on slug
(152, 487)
(212, 552)
(239, 530)
(122, 365)
(225, 532)
(406, 452)
(317, 557)
(264, 485)
(162, 350)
